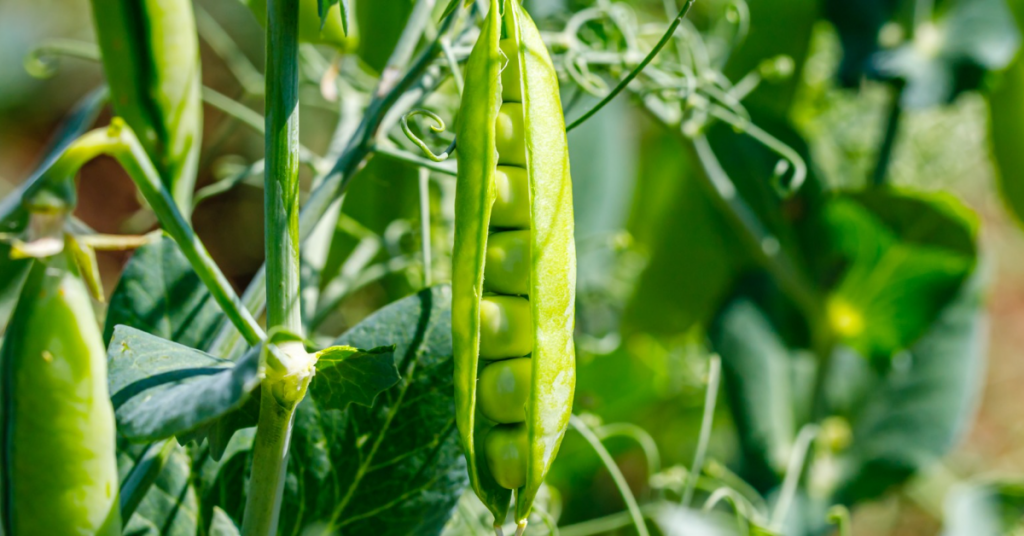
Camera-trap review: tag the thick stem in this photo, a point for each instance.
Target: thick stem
(281, 208)
(269, 462)
(281, 192)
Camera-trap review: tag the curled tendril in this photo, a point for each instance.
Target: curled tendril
(41, 61)
(839, 515)
(437, 127)
(785, 151)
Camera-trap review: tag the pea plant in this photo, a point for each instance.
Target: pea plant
(448, 335)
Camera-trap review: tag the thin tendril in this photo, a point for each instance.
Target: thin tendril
(839, 515)
(665, 38)
(609, 463)
(438, 127)
(41, 61)
(710, 397)
(793, 471)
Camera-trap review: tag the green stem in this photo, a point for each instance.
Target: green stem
(665, 38)
(424, 183)
(892, 128)
(120, 142)
(620, 481)
(269, 462)
(334, 182)
(281, 190)
(281, 209)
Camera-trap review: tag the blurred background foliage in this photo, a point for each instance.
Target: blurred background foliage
(924, 279)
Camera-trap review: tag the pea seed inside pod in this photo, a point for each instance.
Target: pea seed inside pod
(511, 207)
(506, 450)
(504, 390)
(506, 327)
(507, 266)
(509, 135)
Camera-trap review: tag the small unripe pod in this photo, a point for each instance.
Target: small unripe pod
(506, 327)
(511, 198)
(504, 389)
(509, 135)
(506, 450)
(507, 269)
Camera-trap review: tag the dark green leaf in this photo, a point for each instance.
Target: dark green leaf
(171, 507)
(764, 385)
(162, 389)
(222, 525)
(905, 257)
(160, 293)
(346, 375)
(395, 468)
(916, 411)
(988, 509)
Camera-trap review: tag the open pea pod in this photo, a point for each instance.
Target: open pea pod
(514, 265)
(151, 60)
(57, 439)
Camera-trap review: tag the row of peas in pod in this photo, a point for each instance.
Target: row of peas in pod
(514, 264)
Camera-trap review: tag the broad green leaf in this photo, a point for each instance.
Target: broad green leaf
(985, 509)
(764, 386)
(162, 389)
(171, 508)
(904, 257)
(222, 525)
(346, 375)
(913, 413)
(160, 293)
(395, 468)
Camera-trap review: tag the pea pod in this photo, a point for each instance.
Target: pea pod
(151, 60)
(59, 472)
(513, 247)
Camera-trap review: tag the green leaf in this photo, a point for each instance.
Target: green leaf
(764, 385)
(222, 525)
(171, 507)
(160, 293)
(395, 468)
(985, 509)
(346, 375)
(162, 389)
(905, 257)
(913, 413)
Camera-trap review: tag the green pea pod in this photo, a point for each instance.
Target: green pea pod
(59, 472)
(511, 117)
(151, 59)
